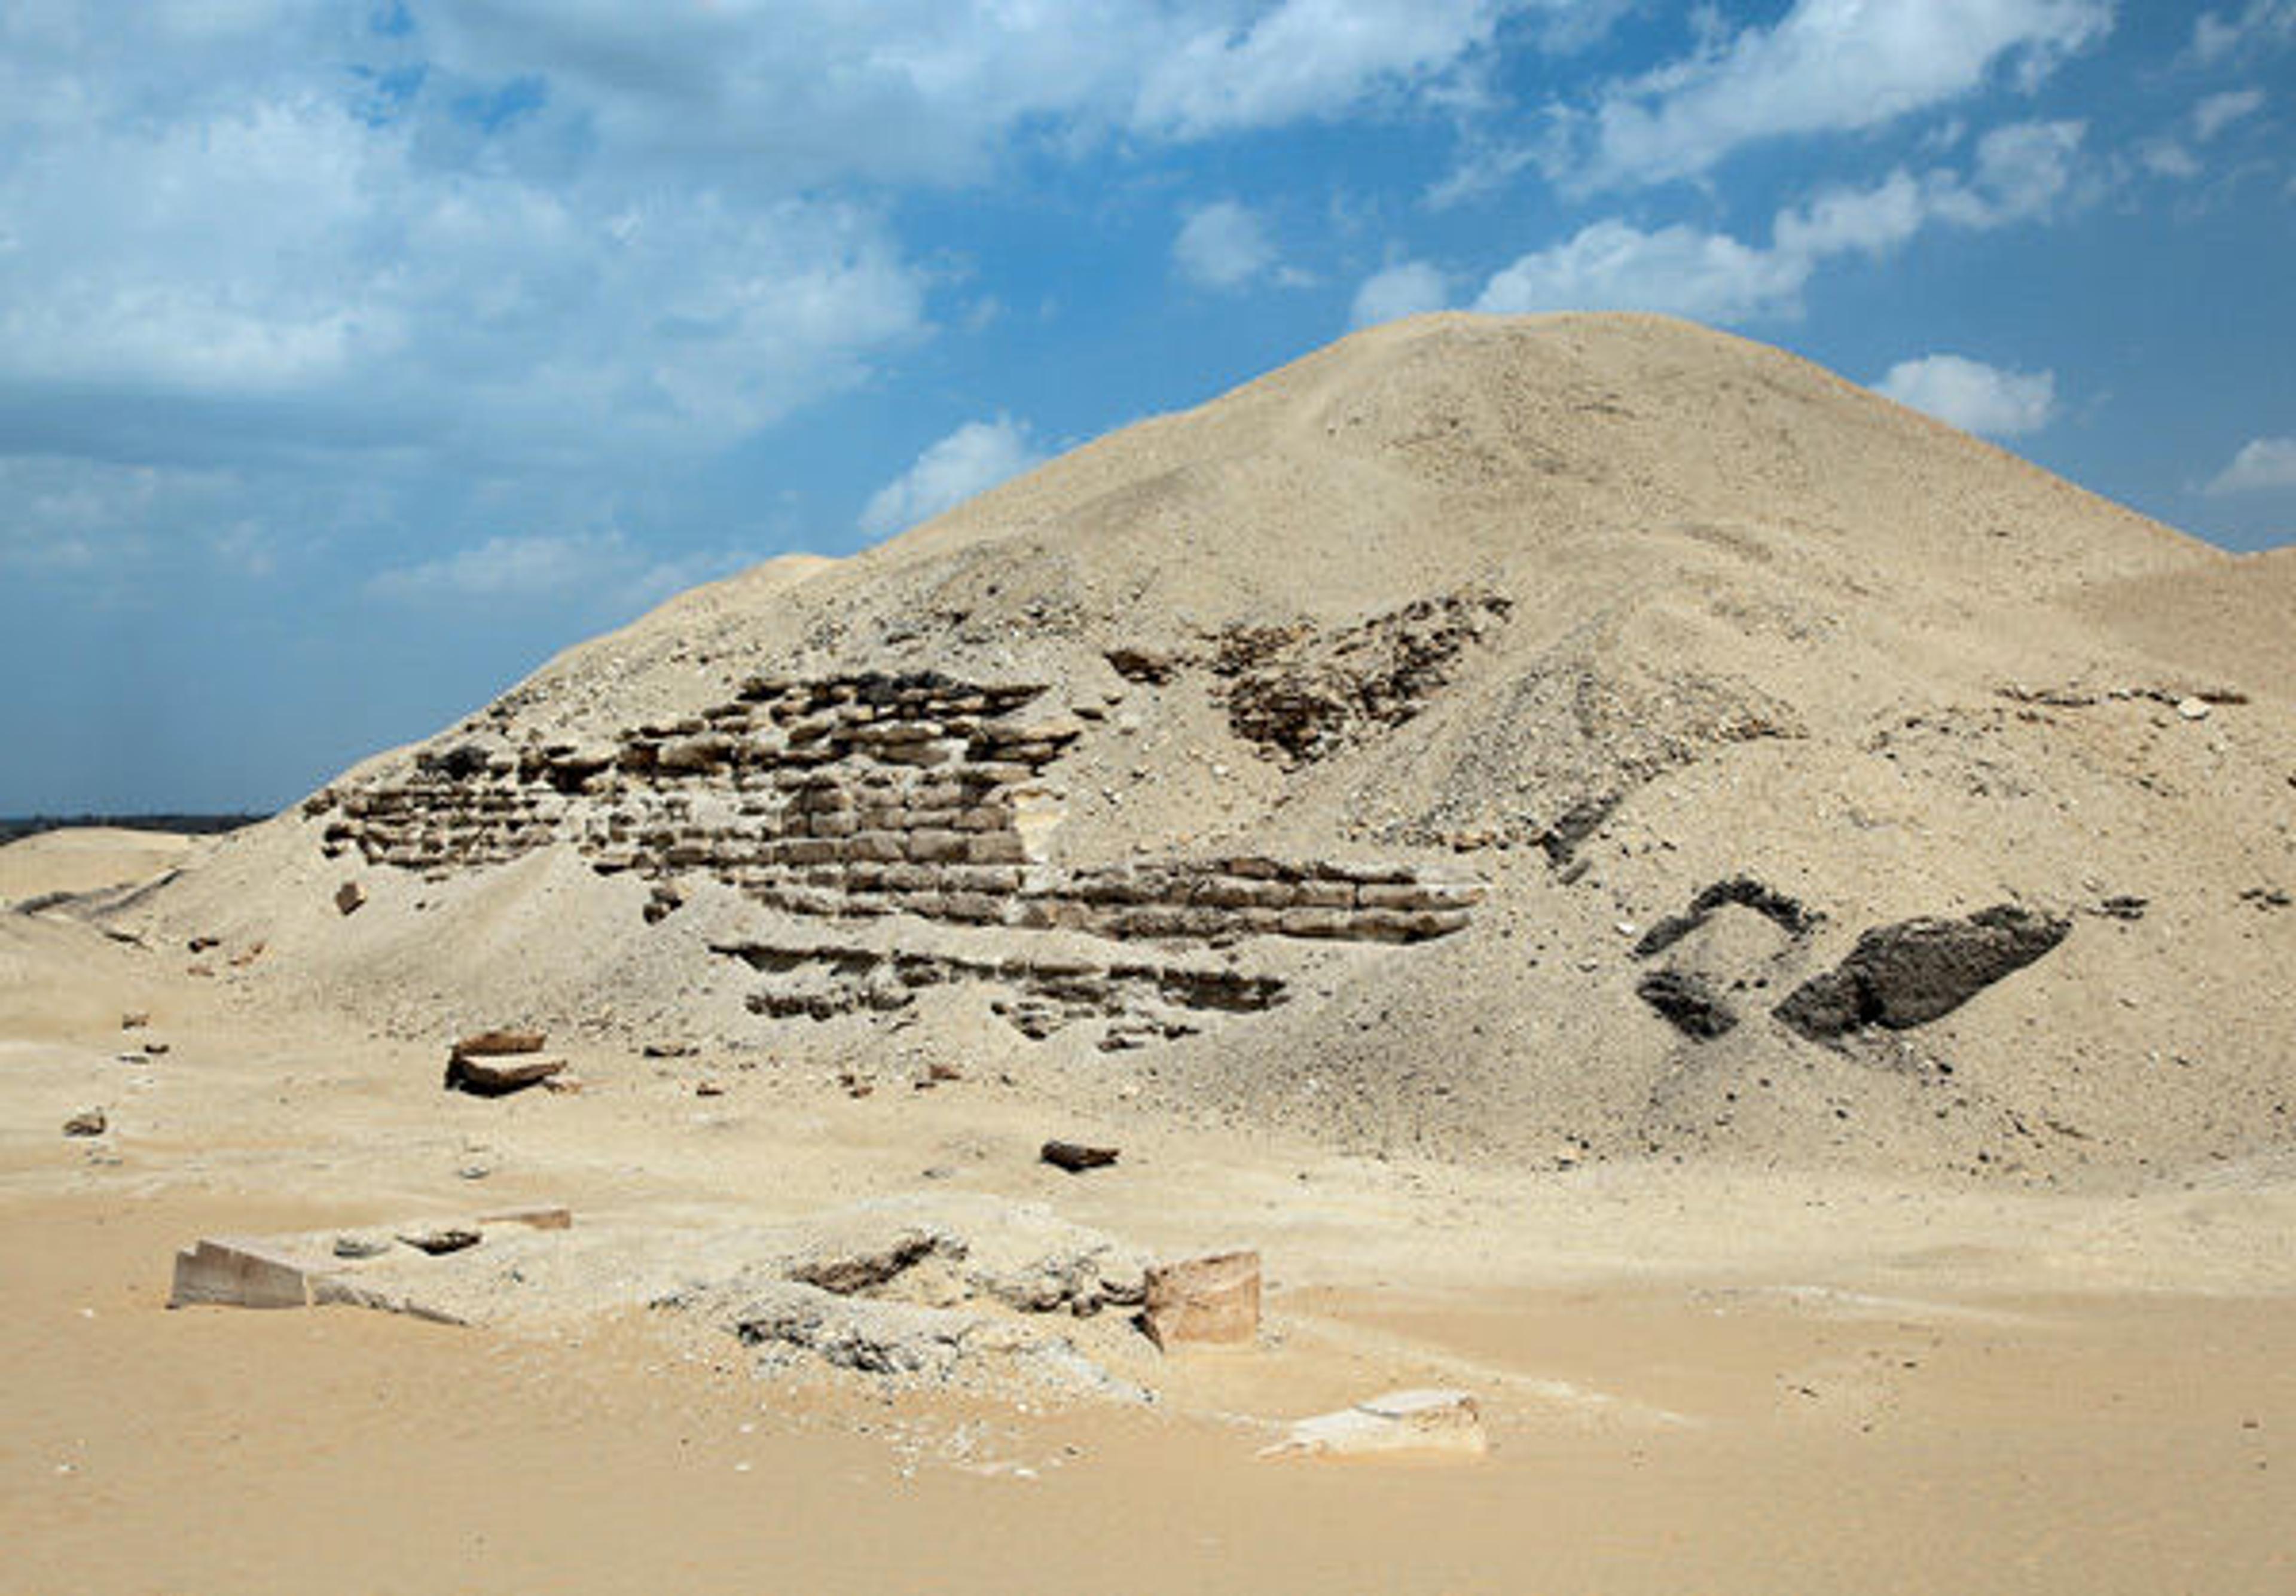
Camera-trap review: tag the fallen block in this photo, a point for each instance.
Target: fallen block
(488, 1044)
(1076, 1157)
(490, 1075)
(238, 1273)
(1211, 1301)
(1400, 1423)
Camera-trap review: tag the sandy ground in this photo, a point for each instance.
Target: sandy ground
(1695, 1378)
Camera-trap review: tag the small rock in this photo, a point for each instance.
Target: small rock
(498, 1075)
(348, 897)
(489, 1044)
(441, 1240)
(135, 1020)
(88, 1122)
(361, 1246)
(2193, 708)
(1076, 1157)
(154, 1048)
(708, 1088)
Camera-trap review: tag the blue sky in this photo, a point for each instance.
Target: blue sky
(355, 356)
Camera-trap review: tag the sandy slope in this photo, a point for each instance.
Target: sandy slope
(82, 858)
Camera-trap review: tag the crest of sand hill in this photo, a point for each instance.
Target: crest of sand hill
(1549, 738)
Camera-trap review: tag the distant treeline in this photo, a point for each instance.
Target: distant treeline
(24, 826)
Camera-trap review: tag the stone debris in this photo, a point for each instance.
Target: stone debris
(88, 1122)
(1076, 1157)
(1688, 1002)
(136, 1019)
(356, 1246)
(441, 1239)
(239, 1272)
(349, 898)
(539, 1216)
(494, 1064)
(1432, 1423)
(488, 1044)
(1207, 1301)
(1909, 974)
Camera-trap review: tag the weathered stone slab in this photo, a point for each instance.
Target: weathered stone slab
(1209, 1301)
(497, 1075)
(488, 1043)
(1399, 1423)
(235, 1272)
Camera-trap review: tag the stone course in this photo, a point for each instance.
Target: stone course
(855, 797)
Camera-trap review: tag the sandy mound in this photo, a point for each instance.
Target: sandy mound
(1323, 756)
(85, 858)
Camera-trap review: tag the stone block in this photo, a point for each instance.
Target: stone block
(1325, 894)
(238, 1273)
(997, 848)
(884, 847)
(937, 846)
(1327, 923)
(1209, 1301)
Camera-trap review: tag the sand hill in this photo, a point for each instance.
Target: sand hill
(1545, 740)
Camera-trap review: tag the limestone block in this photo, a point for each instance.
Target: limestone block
(933, 845)
(917, 816)
(1325, 894)
(881, 846)
(977, 909)
(1314, 922)
(997, 848)
(239, 1273)
(1207, 1301)
(1399, 1423)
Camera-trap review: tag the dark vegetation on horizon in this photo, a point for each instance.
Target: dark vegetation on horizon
(12, 827)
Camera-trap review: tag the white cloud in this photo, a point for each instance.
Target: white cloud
(1306, 59)
(1406, 289)
(1973, 396)
(2218, 112)
(1613, 266)
(1222, 246)
(2260, 25)
(970, 461)
(602, 570)
(2262, 464)
(1826, 66)
(2022, 173)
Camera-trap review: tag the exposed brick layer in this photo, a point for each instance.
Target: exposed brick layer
(854, 797)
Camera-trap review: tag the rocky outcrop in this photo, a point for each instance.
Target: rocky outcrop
(1913, 972)
(856, 797)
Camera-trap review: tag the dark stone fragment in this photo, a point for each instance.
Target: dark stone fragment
(1076, 1158)
(1911, 972)
(1787, 914)
(1687, 1003)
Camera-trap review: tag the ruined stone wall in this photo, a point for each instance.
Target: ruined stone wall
(854, 797)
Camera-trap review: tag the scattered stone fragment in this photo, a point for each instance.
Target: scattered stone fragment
(496, 1075)
(88, 1122)
(201, 944)
(666, 901)
(669, 1049)
(1785, 913)
(2193, 708)
(1687, 1003)
(1076, 1157)
(2122, 906)
(857, 1333)
(1446, 1423)
(708, 1088)
(486, 1044)
(439, 1240)
(154, 1048)
(539, 1216)
(136, 1019)
(1911, 972)
(349, 1245)
(1213, 1301)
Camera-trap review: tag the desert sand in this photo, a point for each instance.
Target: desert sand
(1300, 795)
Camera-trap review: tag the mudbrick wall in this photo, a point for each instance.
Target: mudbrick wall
(857, 796)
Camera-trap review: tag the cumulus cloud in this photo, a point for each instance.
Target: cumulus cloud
(1827, 66)
(2021, 173)
(1306, 58)
(1222, 246)
(2262, 464)
(970, 461)
(1973, 396)
(1407, 288)
(2261, 24)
